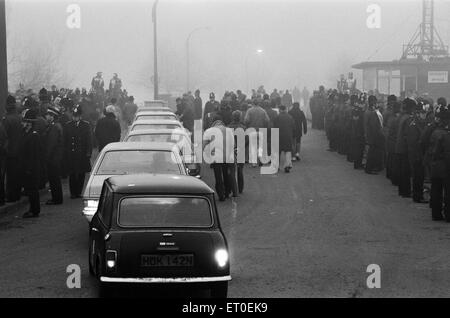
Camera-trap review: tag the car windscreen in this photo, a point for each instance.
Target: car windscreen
(165, 212)
(142, 117)
(156, 138)
(155, 126)
(138, 161)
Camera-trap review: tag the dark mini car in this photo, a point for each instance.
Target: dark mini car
(158, 229)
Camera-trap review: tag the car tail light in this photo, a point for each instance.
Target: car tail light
(90, 207)
(221, 257)
(111, 260)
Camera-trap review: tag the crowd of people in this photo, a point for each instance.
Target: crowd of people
(408, 137)
(49, 136)
(235, 110)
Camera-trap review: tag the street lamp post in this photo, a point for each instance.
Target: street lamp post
(155, 53)
(188, 57)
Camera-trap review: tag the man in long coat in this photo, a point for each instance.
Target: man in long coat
(300, 128)
(78, 148)
(285, 124)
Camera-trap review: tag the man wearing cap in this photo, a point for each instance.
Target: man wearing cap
(107, 129)
(415, 152)
(98, 84)
(13, 127)
(78, 149)
(29, 162)
(54, 148)
(211, 107)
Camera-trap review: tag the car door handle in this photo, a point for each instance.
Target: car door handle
(94, 229)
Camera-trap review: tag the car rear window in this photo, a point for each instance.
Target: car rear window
(142, 117)
(154, 138)
(165, 212)
(138, 161)
(155, 126)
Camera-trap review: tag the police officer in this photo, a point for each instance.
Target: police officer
(13, 126)
(415, 152)
(54, 148)
(211, 107)
(440, 184)
(29, 162)
(78, 148)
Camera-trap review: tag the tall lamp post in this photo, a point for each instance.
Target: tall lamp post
(3, 60)
(155, 53)
(188, 57)
(258, 51)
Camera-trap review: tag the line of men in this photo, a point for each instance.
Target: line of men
(409, 138)
(46, 140)
(236, 111)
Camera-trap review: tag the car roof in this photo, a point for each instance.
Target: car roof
(158, 132)
(163, 146)
(158, 184)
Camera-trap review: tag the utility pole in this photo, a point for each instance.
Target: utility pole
(3, 59)
(155, 53)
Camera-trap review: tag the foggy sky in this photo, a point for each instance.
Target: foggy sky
(304, 43)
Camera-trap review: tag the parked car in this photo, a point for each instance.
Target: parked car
(155, 124)
(162, 229)
(122, 158)
(181, 137)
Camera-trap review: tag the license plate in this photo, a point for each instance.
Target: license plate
(167, 260)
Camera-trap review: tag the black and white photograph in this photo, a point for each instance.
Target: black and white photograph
(193, 151)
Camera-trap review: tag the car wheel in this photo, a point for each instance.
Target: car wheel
(219, 290)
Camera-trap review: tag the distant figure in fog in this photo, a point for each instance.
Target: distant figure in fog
(300, 128)
(286, 126)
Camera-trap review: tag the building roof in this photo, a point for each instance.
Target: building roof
(397, 63)
(158, 184)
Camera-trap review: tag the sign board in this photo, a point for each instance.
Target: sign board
(438, 77)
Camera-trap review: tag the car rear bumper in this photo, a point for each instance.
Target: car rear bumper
(159, 280)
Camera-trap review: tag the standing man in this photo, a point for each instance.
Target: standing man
(392, 162)
(374, 137)
(239, 148)
(223, 155)
(256, 118)
(300, 128)
(13, 127)
(357, 141)
(29, 163)
(107, 129)
(115, 86)
(129, 111)
(78, 147)
(401, 148)
(286, 100)
(285, 124)
(415, 152)
(211, 107)
(54, 155)
(198, 105)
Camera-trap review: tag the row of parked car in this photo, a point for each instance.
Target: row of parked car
(151, 218)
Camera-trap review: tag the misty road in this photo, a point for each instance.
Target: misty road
(310, 233)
